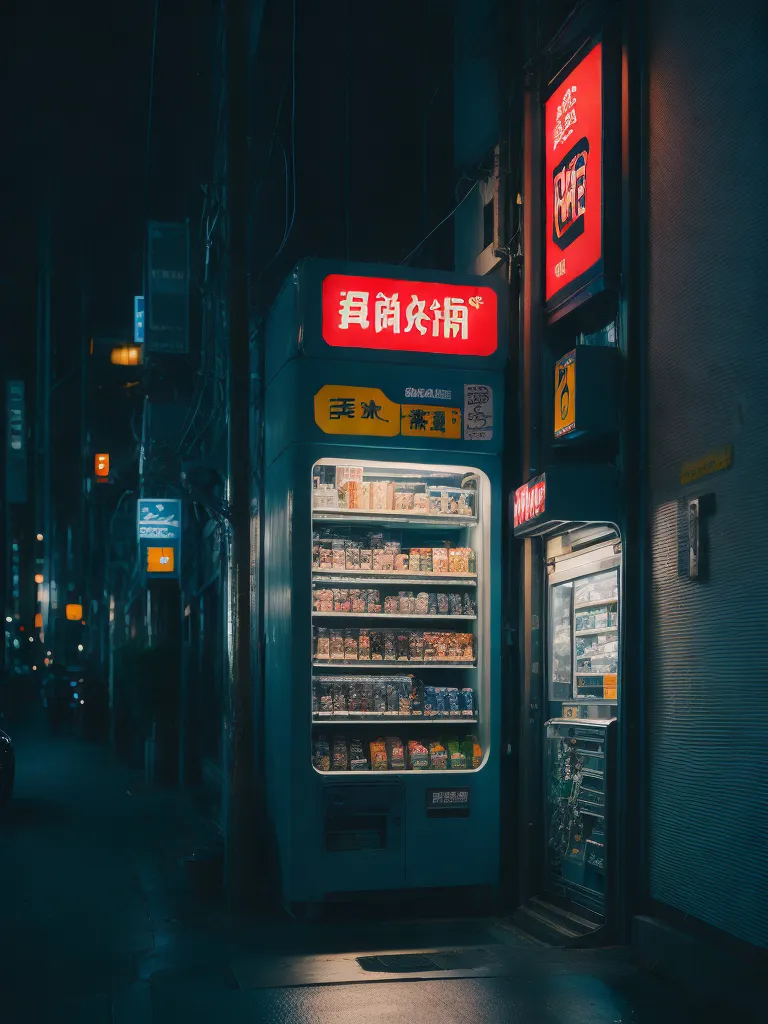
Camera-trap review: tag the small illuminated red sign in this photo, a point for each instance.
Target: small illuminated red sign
(573, 146)
(530, 500)
(409, 316)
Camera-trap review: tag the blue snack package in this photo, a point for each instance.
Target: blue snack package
(430, 702)
(467, 702)
(453, 702)
(441, 707)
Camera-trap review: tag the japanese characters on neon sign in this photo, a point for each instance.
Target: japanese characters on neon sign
(409, 316)
(530, 500)
(574, 174)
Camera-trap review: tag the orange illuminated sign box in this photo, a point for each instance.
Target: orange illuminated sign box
(161, 560)
(581, 177)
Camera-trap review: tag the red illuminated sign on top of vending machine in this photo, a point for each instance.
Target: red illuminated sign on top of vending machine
(573, 147)
(409, 316)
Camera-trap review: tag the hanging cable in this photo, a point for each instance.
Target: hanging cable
(289, 227)
(439, 224)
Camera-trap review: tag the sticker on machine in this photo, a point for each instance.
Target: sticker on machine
(478, 412)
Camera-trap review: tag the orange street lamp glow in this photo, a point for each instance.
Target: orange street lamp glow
(74, 612)
(101, 464)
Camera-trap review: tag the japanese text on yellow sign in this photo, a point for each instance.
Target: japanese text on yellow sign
(340, 409)
(565, 394)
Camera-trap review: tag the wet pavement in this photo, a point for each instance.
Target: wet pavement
(98, 927)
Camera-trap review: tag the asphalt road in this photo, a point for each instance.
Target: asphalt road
(96, 927)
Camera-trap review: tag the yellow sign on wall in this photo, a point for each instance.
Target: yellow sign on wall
(341, 409)
(565, 394)
(713, 462)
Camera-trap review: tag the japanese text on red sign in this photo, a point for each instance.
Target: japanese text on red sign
(530, 500)
(413, 316)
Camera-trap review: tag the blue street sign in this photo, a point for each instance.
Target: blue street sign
(159, 519)
(138, 320)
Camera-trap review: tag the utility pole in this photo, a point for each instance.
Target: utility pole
(240, 846)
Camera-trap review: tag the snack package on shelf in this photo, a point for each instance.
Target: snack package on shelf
(442, 604)
(374, 605)
(340, 697)
(404, 697)
(440, 560)
(467, 702)
(416, 645)
(357, 759)
(326, 555)
(403, 645)
(418, 756)
(417, 699)
(432, 604)
(358, 601)
(355, 700)
(377, 645)
(438, 757)
(455, 605)
(441, 702)
(390, 649)
(350, 645)
(456, 757)
(379, 698)
(421, 502)
(421, 603)
(469, 606)
(338, 555)
(340, 754)
(430, 702)
(453, 702)
(352, 556)
(379, 756)
(325, 496)
(321, 754)
(322, 645)
(324, 691)
(473, 752)
(401, 562)
(403, 499)
(395, 754)
(364, 645)
(366, 559)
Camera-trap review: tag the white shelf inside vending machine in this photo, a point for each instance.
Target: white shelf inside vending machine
(388, 517)
(459, 579)
(382, 616)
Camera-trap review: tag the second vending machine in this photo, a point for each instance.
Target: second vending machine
(382, 576)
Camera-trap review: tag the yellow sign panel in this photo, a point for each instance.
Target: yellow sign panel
(341, 409)
(713, 462)
(430, 421)
(565, 394)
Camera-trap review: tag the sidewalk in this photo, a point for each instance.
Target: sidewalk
(89, 866)
(98, 927)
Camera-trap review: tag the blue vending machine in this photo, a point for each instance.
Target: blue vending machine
(384, 430)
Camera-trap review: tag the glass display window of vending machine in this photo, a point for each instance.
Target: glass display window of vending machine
(584, 688)
(400, 612)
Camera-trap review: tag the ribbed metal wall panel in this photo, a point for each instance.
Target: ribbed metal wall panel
(707, 349)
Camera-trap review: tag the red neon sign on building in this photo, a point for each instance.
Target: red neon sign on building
(573, 146)
(409, 316)
(530, 500)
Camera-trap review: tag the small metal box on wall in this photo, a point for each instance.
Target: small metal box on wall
(586, 384)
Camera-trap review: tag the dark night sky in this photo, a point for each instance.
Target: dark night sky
(74, 114)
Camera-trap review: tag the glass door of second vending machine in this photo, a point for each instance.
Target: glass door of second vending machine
(584, 594)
